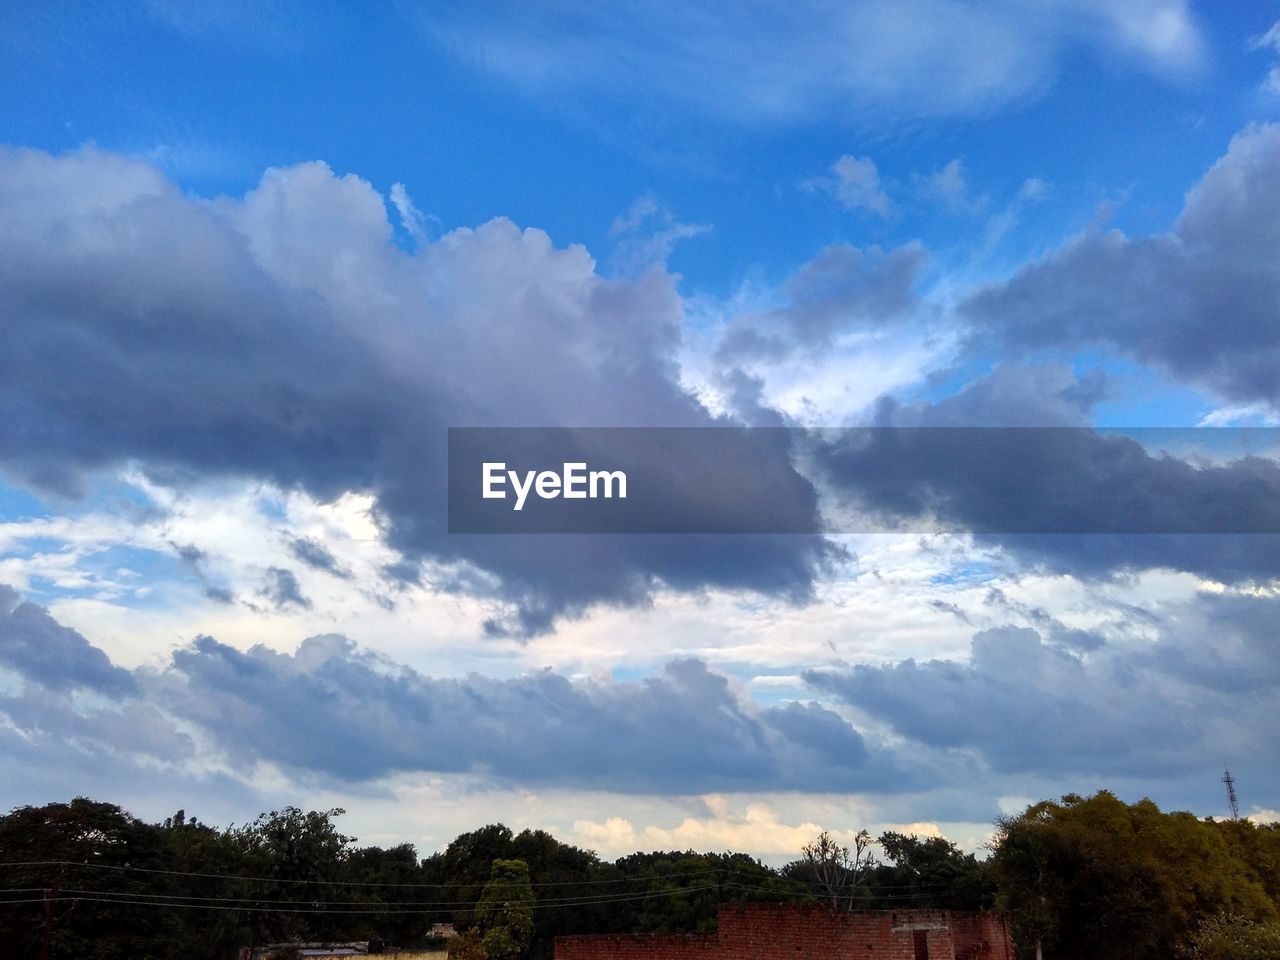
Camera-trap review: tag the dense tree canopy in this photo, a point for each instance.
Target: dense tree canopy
(1083, 877)
(1095, 877)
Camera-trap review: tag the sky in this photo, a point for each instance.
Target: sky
(256, 259)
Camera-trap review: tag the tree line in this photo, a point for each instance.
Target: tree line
(1084, 878)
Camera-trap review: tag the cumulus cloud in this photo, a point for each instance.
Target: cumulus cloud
(1199, 301)
(759, 827)
(1200, 694)
(57, 658)
(75, 715)
(285, 337)
(808, 59)
(335, 709)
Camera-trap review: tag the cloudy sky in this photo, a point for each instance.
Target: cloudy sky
(256, 259)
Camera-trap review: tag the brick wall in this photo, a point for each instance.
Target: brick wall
(790, 932)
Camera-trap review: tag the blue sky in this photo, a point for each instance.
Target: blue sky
(259, 257)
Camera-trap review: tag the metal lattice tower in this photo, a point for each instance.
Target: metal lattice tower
(1232, 800)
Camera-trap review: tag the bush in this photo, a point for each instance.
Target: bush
(1234, 938)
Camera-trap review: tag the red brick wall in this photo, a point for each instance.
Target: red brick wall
(791, 932)
(691, 946)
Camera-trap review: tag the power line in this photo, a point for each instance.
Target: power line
(450, 904)
(806, 887)
(823, 895)
(810, 884)
(341, 883)
(106, 897)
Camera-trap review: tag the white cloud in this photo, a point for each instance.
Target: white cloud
(765, 62)
(855, 183)
(1270, 41)
(758, 828)
(414, 220)
(949, 186)
(646, 234)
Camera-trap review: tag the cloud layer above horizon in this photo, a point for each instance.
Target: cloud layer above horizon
(231, 347)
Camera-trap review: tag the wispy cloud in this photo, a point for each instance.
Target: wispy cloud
(764, 62)
(856, 185)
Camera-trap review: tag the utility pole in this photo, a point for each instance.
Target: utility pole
(50, 902)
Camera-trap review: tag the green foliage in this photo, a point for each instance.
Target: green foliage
(102, 837)
(469, 858)
(285, 846)
(505, 911)
(1234, 938)
(930, 872)
(1094, 878)
(1091, 878)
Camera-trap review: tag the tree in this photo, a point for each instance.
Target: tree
(369, 867)
(837, 870)
(199, 852)
(94, 851)
(289, 845)
(1095, 877)
(933, 871)
(469, 858)
(505, 910)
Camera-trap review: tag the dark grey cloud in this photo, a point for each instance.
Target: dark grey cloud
(1227, 558)
(316, 555)
(334, 709)
(1159, 707)
(1066, 497)
(134, 728)
(78, 720)
(1201, 301)
(59, 659)
(1204, 691)
(281, 587)
(842, 288)
(191, 555)
(1238, 653)
(285, 337)
(128, 751)
(1010, 480)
